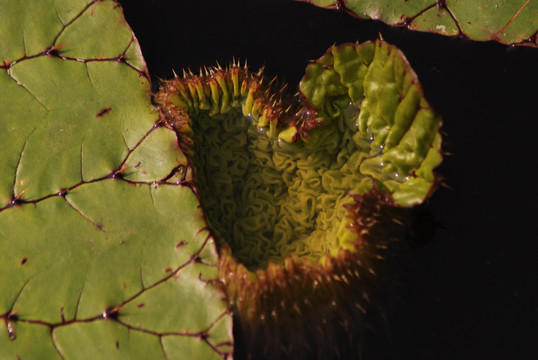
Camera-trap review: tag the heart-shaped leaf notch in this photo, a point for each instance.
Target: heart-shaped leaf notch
(304, 194)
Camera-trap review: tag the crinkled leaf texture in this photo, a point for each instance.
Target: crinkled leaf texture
(506, 21)
(308, 194)
(375, 92)
(103, 248)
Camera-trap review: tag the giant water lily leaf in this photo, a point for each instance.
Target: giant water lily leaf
(306, 194)
(103, 247)
(506, 21)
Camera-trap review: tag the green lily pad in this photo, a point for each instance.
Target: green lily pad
(508, 22)
(102, 255)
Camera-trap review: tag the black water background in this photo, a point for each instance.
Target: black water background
(474, 289)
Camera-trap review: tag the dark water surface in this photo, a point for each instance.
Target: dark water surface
(472, 293)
